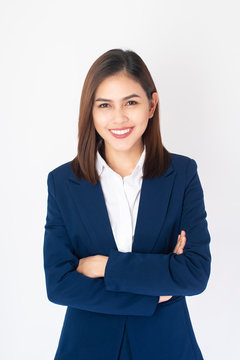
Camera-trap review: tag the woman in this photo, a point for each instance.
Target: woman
(126, 236)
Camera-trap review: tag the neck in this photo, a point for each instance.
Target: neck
(123, 162)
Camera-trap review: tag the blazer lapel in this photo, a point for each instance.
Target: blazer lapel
(92, 209)
(153, 204)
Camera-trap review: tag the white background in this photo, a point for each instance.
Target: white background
(192, 51)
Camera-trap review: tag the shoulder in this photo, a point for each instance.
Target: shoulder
(184, 164)
(59, 174)
(61, 170)
(179, 159)
(57, 178)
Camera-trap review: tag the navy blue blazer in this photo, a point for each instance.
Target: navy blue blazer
(119, 313)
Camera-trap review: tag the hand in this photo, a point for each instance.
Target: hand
(92, 266)
(181, 242)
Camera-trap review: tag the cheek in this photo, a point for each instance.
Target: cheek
(100, 124)
(142, 115)
(144, 127)
(143, 123)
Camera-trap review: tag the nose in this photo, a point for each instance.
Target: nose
(119, 116)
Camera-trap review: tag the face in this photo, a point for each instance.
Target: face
(121, 111)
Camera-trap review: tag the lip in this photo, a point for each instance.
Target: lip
(122, 136)
(124, 128)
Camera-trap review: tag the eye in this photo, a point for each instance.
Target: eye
(132, 101)
(103, 106)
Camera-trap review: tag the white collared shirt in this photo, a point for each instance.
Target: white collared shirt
(122, 197)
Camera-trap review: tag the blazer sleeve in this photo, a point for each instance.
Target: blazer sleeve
(186, 274)
(66, 286)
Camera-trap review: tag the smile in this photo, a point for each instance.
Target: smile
(121, 133)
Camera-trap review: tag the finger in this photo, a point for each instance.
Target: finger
(177, 245)
(182, 244)
(183, 241)
(183, 235)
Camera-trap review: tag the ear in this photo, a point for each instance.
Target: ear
(153, 103)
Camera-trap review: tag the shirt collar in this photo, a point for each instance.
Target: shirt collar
(102, 165)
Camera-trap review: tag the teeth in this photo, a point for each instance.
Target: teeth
(120, 132)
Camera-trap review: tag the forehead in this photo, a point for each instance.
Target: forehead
(118, 86)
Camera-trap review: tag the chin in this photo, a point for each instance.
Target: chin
(122, 147)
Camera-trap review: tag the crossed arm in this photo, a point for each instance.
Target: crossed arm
(94, 266)
(128, 283)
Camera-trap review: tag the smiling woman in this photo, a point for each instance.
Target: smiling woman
(118, 94)
(121, 118)
(126, 236)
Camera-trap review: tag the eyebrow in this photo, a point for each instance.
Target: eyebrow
(124, 98)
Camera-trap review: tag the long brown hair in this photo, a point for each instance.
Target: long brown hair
(157, 158)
